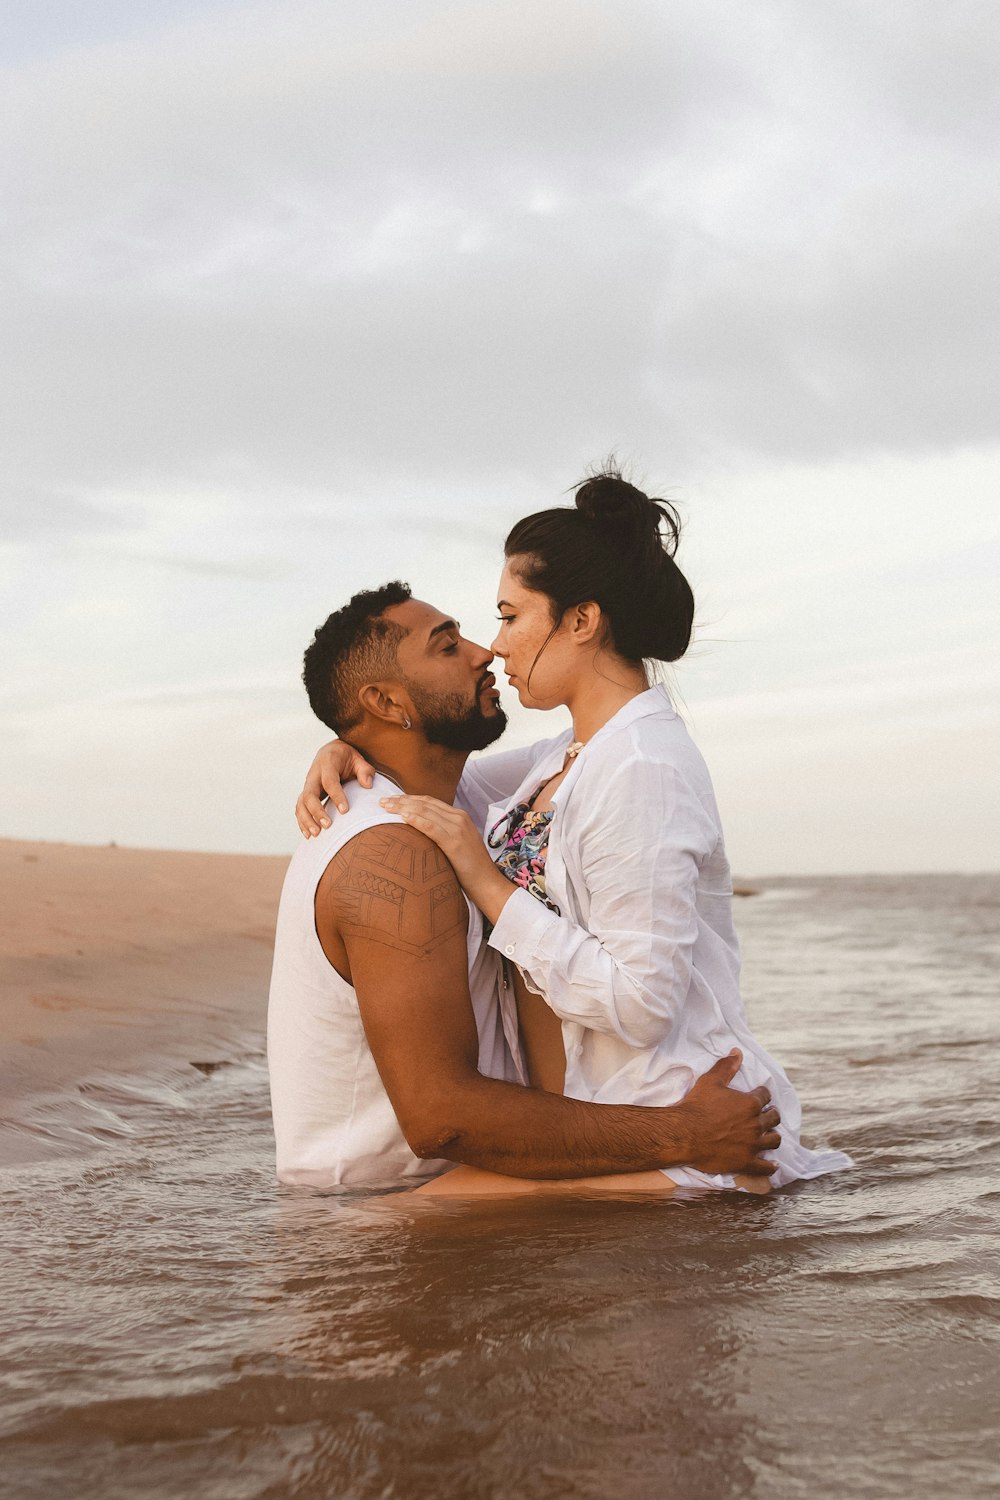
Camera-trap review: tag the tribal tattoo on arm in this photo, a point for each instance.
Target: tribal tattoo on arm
(392, 886)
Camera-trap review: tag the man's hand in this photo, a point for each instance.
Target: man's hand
(334, 764)
(729, 1129)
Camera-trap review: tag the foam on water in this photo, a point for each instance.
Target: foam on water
(174, 1324)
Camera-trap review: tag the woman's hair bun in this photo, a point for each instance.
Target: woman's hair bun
(609, 501)
(615, 547)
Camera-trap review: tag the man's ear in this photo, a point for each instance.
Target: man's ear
(586, 622)
(388, 702)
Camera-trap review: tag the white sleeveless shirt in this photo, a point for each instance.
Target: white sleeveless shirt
(333, 1122)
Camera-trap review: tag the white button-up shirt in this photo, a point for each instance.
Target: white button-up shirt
(641, 962)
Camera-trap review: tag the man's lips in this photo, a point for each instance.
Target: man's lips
(489, 685)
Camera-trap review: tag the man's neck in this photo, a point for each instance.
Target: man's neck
(417, 768)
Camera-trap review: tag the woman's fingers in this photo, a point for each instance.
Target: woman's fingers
(332, 765)
(332, 786)
(409, 812)
(429, 816)
(412, 803)
(310, 815)
(425, 813)
(418, 810)
(364, 773)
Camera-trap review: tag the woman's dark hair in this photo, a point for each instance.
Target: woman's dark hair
(610, 549)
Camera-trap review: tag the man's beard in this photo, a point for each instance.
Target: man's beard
(448, 720)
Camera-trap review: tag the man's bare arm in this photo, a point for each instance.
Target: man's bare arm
(392, 919)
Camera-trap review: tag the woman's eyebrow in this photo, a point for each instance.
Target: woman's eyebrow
(504, 604)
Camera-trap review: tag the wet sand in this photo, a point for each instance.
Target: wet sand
(115, 960)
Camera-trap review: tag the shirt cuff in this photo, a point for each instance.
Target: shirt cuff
(521, 927)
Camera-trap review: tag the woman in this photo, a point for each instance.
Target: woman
(611, 895)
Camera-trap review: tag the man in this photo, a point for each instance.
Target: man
(392, 1041)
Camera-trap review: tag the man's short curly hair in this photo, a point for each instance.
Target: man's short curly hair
(354, 647)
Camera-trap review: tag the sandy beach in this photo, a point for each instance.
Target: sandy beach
(118, 960)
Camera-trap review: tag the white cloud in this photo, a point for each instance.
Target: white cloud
(296, 298)
(259, 236)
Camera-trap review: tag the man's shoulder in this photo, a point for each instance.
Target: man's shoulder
(368, 834)
(364, 813)
(391, 884)
(402, 854)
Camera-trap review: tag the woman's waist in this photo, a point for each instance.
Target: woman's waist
(606, 1070)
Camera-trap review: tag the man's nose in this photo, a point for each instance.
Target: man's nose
(481, 656)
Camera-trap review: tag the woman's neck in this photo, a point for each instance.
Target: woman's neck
(608, 685)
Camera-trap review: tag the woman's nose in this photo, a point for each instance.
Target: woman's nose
(495, 649)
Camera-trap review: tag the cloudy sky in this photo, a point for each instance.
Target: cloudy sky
(299, 296)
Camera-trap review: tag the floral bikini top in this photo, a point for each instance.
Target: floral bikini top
(522, 836)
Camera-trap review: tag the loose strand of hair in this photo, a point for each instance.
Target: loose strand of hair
(534, 664)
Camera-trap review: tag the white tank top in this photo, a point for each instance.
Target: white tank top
(333, 1122)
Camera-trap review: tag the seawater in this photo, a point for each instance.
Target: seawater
(174, 1324)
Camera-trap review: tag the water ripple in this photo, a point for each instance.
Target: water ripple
(175, 1324)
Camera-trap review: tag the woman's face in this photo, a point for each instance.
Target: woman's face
(525, 627)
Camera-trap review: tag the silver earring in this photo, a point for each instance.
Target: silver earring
(407, 724)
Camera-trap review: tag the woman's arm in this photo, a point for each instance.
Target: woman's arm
(642, 841)
(333, 764)
(627, 972)
(491, 778)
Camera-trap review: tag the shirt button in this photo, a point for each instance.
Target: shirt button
(510, 949)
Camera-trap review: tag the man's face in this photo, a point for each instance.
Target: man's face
(448, 678)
